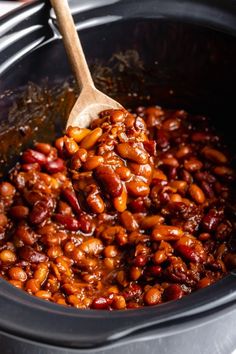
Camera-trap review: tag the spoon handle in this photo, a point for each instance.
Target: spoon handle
(72, 43)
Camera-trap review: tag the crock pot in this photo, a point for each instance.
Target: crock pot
(182, 55)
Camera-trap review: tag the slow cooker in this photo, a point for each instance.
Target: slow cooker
(177, 53)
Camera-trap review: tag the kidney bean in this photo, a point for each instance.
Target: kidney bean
(188, 253)
(27, 253)
(110, 180)
(100, 303)
(154, 270)
(133, 153)
(86, 224)
(151, 147)
(211, 220)
(166, 233)
(162, 139)
(70, 196)
(55, 166)
(173, 292)
(68, 222)
(223, 171)
(214, 155)
(33, 156)
(44, 148)
(132, 292)
(40, 212)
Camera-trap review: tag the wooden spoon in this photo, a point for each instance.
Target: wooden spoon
(91, 101)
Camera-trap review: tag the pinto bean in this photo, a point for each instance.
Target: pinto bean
(133, 153)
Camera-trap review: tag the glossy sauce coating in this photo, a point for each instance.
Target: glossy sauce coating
(131, 212)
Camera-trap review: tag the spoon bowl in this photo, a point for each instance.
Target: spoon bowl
(91, 101)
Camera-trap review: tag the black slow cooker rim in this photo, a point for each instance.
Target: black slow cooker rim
(51, 323)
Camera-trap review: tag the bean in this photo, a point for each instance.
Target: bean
(70, 196)
(110, 251)
(27, 253)
(141, 170)
(33, 156)
(100, 303)
(110, 180)
(214, 155)
(183, 151)
(137, 188)
(128, 221)
(167, 233)
(25, 234)
(17, 273)
(55, 166)
(117, 116)
(173, 292)
(151, 221)
(43, 294)
(7, 257)
(120, 203)
(44, 148)
(133, 153)
(7, 189)
(119, 302)
(90, 140)
(192, 165)
(77, 133)
(92, 247)
(135, 273)
(40, 212)
(197, 194)
(19, 212)
(152, 297)
(32, 286)
(124, 173)
(93, 162)
(71, 147)
(188, 253)
(3, 220)
(151, 147)
(54, 251)
(223, 171)
(204, 282)
(180, 186)
(41, 273)
(68, 222)
(159, 257)
(95, 202)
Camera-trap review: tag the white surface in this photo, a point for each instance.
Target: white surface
(6, 6)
